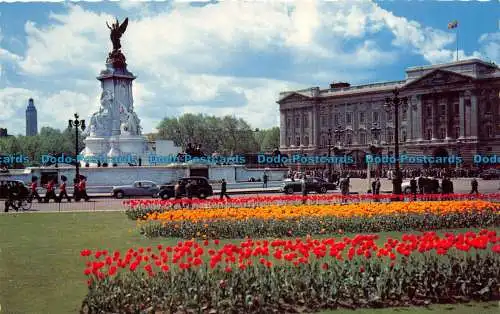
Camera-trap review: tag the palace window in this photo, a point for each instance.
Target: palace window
(297, 141)
(361, 117)
(289, 140)
(389, 136)
(429, 111)
(306, 121)
(429, 134)
(403, 136)
(442, 110)
(442, 133)
(349, 118)
(375, 116)
(389, 116)
(489, 131)
(457, 132)
(288, 123)
(297, 122)
(362, 138)
(349, 139)
(403, 115)
(306, 140)
(337, 118)
(487, 108)
(457, 109)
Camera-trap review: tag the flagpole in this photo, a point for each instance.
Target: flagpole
(456, 32)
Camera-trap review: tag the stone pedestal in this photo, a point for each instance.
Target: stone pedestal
(114, 131)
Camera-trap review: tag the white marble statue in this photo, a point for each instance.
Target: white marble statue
(101, 120)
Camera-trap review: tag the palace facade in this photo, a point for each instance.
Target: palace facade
(453, 110)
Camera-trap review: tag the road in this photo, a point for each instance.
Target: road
(357, 186)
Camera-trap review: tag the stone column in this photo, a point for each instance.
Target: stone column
(468, 116)
(462, 114)
(310, 132)
(409, 119)
(449, 118)
(473, 116)
(418, 120)
(435, 118)
(282, 128)
(314, 125)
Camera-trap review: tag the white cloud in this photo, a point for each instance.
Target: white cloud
(491, 46)
(181, 55)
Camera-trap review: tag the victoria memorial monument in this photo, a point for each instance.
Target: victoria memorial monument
(115, 129)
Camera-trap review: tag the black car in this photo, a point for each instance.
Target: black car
(317, 185)
(200, 188)
(490, 174)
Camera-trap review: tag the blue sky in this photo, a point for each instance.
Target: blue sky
(223, 58)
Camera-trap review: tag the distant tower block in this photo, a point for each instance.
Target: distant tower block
(31, 119)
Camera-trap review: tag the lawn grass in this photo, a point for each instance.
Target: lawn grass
(41, 270)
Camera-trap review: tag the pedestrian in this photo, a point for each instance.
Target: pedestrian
(76, 190)
(377, 186)
(435, 186)
(82, 188)
(303, 189)
(474, 186)
(12, 197)
(413, 188)
(344, 188)
(265, 180)
(223, 189)
(34, 192)
(421, 184)
(50, 193)
(189, 192)
(62, 190)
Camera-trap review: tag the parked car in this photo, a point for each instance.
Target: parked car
(490, 174)
(200, 188)
(138, 188)
(317, 185)
(405, 186)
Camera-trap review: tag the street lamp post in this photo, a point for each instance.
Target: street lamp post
(393, 104)
(339, 131)
(373, 150)
(77, 124)
(329, 154)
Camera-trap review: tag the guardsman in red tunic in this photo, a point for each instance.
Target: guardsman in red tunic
(34, 191)
(63, 193)
(83, 190)
(50, 194)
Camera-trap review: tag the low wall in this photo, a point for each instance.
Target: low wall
(110, 176)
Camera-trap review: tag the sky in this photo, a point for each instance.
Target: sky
(223, 58)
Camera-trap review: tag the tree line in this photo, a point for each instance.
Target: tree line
(224, 135)
(48, 141)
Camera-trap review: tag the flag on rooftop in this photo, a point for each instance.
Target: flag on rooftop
(453, 24)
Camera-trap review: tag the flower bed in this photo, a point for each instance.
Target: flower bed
(138, 209)
(287, 276)
(300, 220)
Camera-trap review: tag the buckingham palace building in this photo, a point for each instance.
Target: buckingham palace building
(453, 109)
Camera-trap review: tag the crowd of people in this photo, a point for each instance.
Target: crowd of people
(388, 173)
(15, 192)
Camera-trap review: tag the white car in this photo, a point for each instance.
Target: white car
(405, 186)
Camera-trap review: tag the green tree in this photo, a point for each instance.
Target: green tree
(271, 139)
(225, 135)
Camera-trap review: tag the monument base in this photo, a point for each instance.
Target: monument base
(119, 150)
